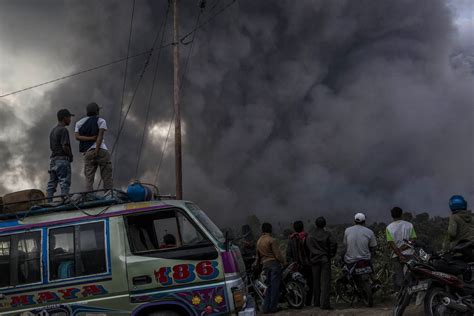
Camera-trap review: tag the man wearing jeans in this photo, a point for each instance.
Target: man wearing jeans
(61, 156)
(90, 132)
(271, 258)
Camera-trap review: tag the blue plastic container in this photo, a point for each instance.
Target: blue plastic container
(138, 193)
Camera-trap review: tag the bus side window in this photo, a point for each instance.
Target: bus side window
(189, 234)
(5, 261)
(20, 259)
(61, 253)
(92, 244)
(71, 249)
(162, 230)
(29, 249)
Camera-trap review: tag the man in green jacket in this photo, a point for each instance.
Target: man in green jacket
(461, 221)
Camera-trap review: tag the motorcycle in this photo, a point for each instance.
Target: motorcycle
(433, 278)
(356, 282)
(292, 290)
(451, 290)
(416, 272)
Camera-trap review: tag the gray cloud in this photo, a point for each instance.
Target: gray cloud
(291, 109)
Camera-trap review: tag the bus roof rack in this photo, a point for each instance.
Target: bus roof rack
(59, 203)
(23, 208)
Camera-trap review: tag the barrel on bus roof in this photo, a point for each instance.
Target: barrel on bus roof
(22, 200)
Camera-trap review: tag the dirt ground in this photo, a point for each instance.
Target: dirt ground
(381, 310)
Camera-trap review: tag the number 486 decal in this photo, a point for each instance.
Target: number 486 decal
(186, 273)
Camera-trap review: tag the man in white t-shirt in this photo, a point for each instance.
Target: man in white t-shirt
(397, 232)
(90, 132)
(360, 241)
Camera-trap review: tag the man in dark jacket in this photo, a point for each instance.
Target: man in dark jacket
(297, 252)
(321, 248)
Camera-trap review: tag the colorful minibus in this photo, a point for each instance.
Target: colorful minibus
(117, 257)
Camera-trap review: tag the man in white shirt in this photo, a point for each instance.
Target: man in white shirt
(397, 232)
(360, 241)
(90, 132)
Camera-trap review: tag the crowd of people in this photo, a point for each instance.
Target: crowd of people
(314, 251)
(89, 131)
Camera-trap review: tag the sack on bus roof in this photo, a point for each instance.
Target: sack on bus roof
(22, 200)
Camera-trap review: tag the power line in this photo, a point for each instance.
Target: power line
(138, 83)
(125, 77)
(157, 173)
(193, 32)
(182, 40)
(149, 101)
(158, 168)
(84, 71)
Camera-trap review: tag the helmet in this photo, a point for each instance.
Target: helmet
(457, 202)
(359, 218)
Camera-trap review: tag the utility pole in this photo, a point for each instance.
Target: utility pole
(176, 104)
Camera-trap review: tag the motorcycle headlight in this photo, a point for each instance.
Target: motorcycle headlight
(298, 277)
(424, 256)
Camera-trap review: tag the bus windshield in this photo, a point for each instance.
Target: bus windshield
(206, 221)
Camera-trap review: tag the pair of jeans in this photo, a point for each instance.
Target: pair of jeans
(322, 283)
(272, 295)
(59, 173)
(101, 161)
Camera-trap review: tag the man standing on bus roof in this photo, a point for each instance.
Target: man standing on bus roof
(61, 156)
(90, 132)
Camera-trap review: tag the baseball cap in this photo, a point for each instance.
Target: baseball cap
(359, 218)
(92, 108)
(64, 113)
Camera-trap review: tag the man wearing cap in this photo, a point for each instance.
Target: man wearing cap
(61, 156)
(90, 132)
(360, 241)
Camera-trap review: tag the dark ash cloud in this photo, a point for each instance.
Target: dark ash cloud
(291, 109)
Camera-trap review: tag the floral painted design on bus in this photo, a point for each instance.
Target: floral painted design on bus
(206, 301)
(203, 301)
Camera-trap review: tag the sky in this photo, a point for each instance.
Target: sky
(291, 109)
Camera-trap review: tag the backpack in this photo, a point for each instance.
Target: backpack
(89, 128)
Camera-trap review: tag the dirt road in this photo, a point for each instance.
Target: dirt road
(340, 311)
